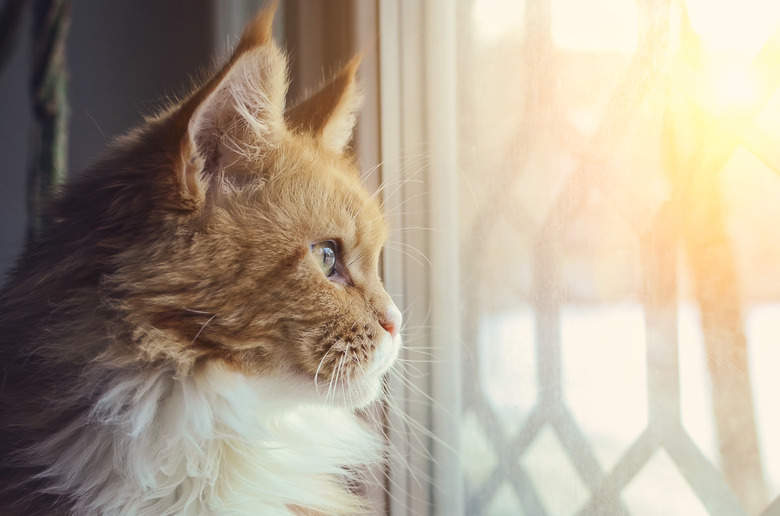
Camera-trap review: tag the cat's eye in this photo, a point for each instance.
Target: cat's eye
(325, 254)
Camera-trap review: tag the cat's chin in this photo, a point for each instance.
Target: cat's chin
(364, 391)
(293, 390)
(385, 355)
(357, 393)
(287, 388)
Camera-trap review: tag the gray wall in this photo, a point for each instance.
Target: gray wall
(124, 58)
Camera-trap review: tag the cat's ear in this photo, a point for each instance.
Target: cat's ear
(330, 113)
(239, 112)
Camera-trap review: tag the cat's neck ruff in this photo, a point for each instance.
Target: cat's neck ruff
(214, 442)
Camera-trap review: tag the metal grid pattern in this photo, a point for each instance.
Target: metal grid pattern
(654, 68)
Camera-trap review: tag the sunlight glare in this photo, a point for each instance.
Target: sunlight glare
(734, 27)
(733, 86)
(595, 26)
(495, 19)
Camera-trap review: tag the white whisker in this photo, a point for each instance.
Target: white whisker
(201, 329)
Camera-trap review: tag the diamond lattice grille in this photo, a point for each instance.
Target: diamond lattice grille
(623, 252)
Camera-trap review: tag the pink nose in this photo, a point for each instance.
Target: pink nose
(390, 327)
(392, 322)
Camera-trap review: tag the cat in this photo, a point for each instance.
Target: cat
(198, 327)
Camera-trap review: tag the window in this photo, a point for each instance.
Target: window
(584, 197)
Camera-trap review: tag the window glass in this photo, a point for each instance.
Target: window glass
(620, 266)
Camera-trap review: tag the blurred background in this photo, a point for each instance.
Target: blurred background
(601, 306)
(619, 256)
(123, 58)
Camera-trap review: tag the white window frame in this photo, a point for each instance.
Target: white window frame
(418, 85)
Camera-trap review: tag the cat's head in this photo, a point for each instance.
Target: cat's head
(259, 247)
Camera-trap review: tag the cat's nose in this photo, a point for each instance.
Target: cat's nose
(392, 321)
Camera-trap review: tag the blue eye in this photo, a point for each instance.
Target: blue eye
(325, 254)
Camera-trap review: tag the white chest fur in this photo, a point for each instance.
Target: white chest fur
(216, 442)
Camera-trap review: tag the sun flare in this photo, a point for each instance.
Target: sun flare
(732, 86)
(734, 27)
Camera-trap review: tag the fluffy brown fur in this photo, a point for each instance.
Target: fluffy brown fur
(185, 255)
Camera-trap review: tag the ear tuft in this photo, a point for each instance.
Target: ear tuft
(258, 32)
(330, 114)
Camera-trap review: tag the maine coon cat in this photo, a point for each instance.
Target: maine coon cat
(195, 330)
